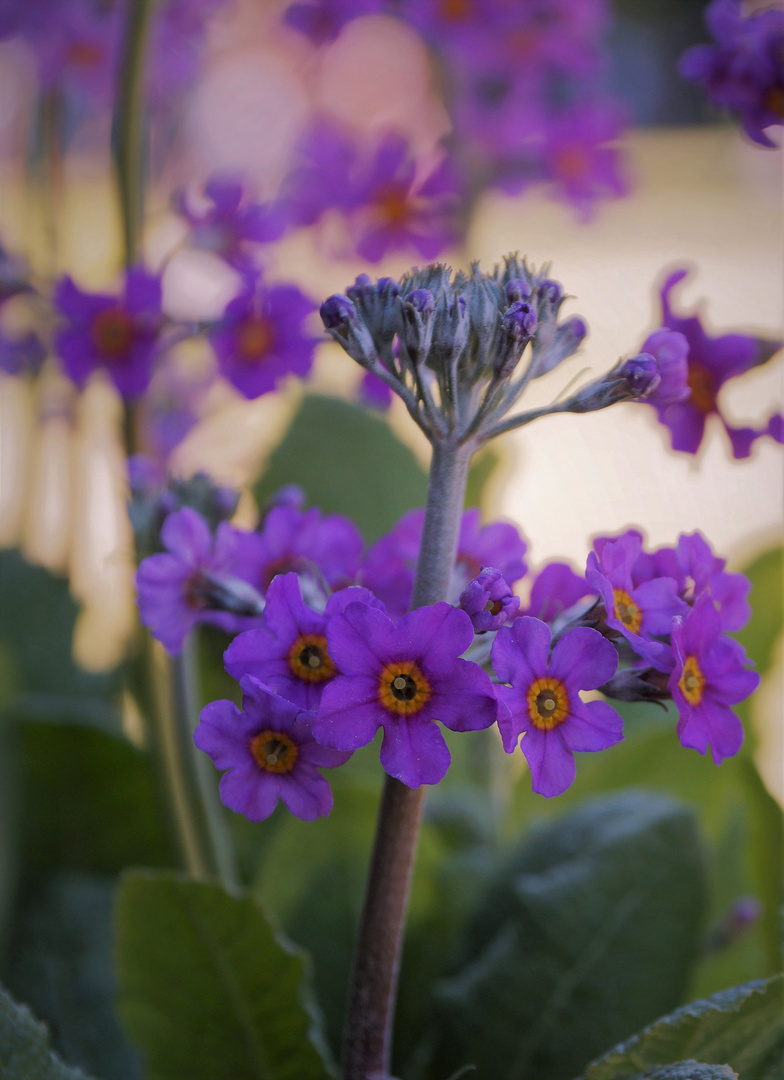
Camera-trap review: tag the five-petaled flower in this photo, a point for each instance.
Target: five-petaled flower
(543, 703)
(270, 754)
(403, 678)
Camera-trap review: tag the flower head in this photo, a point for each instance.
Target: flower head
(119, 334)
(231, 223)
(488, 600)
(260, 339)
(403, 678)
(269, 754)
(709, 676)
(543, 700)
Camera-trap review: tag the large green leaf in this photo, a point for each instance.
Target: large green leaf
(24, 1047)
(590, 932)
(348, 462)
(207, 990)
(62, 966)
(742, 1027)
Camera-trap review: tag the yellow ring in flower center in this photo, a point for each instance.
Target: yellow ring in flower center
(274, 752)
(692, 681)
(548, 703)
(402, 688)
(627, 610)
(309, 660)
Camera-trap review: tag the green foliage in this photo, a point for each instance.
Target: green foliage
(207, 990)
(690, 1070)
(766, 574)
(742, 1027)
(483, 465)
(589, 931)
(62, 966)
(348, 462)
(24, 1047)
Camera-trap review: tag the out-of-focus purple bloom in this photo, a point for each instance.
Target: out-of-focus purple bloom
(76, 45)
(261, 338)
(577, 156)
(231, 223)
(388, 567)
(712, 362)
(14, 276)
(289, 654)
(21, 355)
(305, 543)
(374, 392)
(119, 334)
(270, 754)
(709, 676)
(195, 581)
(743, 71)
(670, 350)
(488, 601)
(543, 700)
(322, 177)
(703, 572)
(322, 20)
(403, 678)
(176, 45)
(638, 613)
(556, 588)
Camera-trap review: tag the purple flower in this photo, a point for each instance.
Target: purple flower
(322, 20)
(543, 700)
(261, 339)
(185, 584)
(709, 676)
(231, 223)
(670, 350)
(403, 678)
(21, 355)
(315, 547)
(321, 179)
(176, 45)
(119, 334)
(556, 589)
(388, 567)
(270, 754)
(577, 156)
(743, 71)
(638, 613)
(703, 573)
(374, 392)
(712, 362)
(289, 654)
(488, 601)
(76, 45)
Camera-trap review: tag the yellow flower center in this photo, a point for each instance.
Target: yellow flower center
(494, 607)
(692, 681)
(548, 703)
(112, 333)
(701, 384)
(255, 337)
(627, 611)
(402, 688)
(274, 752)
(309, 660)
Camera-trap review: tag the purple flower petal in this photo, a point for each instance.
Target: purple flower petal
(583, 659)
(551, 763)
(349, 714)
(414, 751)
(306, 793)
(591, 726)
(519, 652)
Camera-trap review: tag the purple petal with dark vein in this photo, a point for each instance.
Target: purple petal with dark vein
(414, 751)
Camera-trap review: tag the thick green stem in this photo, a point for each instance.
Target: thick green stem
(371, 1005)
(129, 126)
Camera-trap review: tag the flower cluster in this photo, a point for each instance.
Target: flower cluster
(743, 70)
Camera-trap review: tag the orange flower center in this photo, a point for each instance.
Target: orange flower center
(548, 703)
(455, 10)
(112, 333)
(775, 101)
(402, 688)
(393, 206)
(627, 611)
(274, 752)
(85, 54)
(692, 681)
(571, 163)
(309, 660)
(255, 337)
(703, 393)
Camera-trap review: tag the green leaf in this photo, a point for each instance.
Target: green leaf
(348, 462)
(207, 990)
(690, 1070)
(742, 1027)
(766, 574)
(483, 466)
(590, 932)
(24, 1047)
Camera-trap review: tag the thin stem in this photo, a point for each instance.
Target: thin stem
(371, 1005)
(129, 126)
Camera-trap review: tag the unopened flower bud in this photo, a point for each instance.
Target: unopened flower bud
(641, 375)
(488, 601)
(517, 289)
(638, 684)
(416, 323)
(518, 325)
(337, 311)
(555, 343)
(339, 315)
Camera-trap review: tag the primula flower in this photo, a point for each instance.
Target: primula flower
(543, 700)
(488, 601)
(403, 678)
(638, 613)
(231, 223)
(704, 573)
(556, 589)
(289, 654)
(185, 584)
(712, 362)
(119, 334)
(577, 158)
(317, 548)
(743, 71)
(388, 567)
(270, 754)
(709, 676)
(260, 339)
